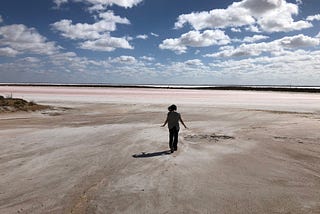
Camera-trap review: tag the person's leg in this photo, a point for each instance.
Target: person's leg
(175, 141)
(171, 136)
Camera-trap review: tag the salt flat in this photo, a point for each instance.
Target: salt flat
(102, 150)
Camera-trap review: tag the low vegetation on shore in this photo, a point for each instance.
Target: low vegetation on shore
(9, 104)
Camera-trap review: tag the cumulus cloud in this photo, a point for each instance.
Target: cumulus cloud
(298, 41)
(247, 13)
(9, 52)
(217, 18)
(314, 17)
(294, 67)
(97, 35)
(17, 39)
(284, 21)
(259, 7)
(31, 59)
(89, 31)
(147, 58)
(143, 36)
(185, 70)
(274, 47)
(254, 38)
(233, 29)
(102, 4)
(106, 43)
(253, 28)
(124, 60)
(64, 58)
(194, 62)
(195, 39)
(245, 50)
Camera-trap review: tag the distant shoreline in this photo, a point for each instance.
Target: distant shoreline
(277, 88)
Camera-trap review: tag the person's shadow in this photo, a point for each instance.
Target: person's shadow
(153, 154)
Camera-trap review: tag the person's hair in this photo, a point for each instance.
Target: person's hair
(172, 108)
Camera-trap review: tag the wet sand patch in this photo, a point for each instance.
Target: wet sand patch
(209, 138)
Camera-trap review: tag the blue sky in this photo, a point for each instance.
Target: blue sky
(160, 42)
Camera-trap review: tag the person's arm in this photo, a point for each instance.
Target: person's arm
(182, 122)
(165, 122)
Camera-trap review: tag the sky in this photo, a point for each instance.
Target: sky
(248, 42)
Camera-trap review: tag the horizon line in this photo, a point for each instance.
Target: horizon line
(280, 88)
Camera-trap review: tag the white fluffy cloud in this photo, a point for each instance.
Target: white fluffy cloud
(314, 17)
(217, 18)
(90, 31)
(233, 29)
(259, 7)
(298, 41)
(143, 36)
(294, 67)
(97, 35)
(9, 52)
(254, 38)
(31, 60)
(106, 43)
(253, 28)
(195, 39)
(194, 62)
(283, 21)
(124, 60)
(102, 4)
(247, 13)
(147, 58)
(275, 47)
(17, 39)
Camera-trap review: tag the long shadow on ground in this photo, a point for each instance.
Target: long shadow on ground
(153, 154)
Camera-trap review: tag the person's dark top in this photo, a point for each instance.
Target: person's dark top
(173, 119)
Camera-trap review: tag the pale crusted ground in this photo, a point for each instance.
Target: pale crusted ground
(101, 150)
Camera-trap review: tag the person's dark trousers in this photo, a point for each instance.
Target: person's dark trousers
(173, 139)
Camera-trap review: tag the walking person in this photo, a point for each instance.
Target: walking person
(173, 119)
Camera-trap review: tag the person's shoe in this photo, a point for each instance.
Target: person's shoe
(172, 151)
